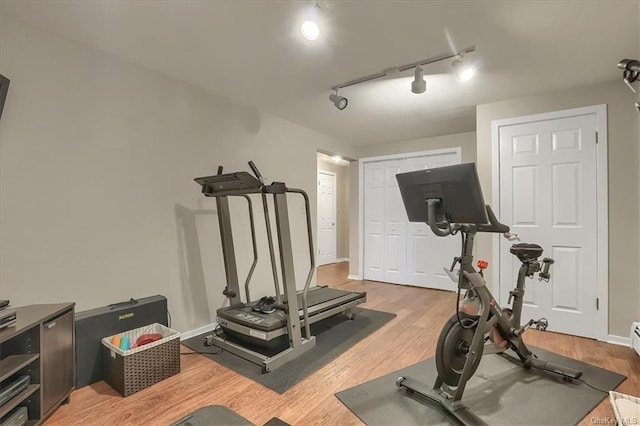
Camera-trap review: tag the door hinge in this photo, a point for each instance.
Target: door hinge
(596, 137)
(597, 304)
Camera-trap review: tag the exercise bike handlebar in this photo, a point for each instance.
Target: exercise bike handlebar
(493, 226)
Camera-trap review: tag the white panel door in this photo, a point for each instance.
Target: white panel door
(374, 183)
(548, 197)
(395, 226)
(427, 253)
(326, 218)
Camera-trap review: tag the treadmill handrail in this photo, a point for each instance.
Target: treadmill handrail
(274, 268)
(305, 309)
(255, 248)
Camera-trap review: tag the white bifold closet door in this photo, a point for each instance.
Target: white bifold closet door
(396, 250)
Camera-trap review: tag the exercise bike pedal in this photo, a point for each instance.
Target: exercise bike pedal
(542, 324)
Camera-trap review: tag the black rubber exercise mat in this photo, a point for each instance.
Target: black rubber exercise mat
(500, 393)
(334, 336)
(213, 415)
(219, 415)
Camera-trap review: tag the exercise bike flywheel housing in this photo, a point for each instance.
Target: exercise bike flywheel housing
(451, 353)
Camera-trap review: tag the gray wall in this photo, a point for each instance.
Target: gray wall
(624, 181)
(342, 205)
(467, 141)
(97, 160)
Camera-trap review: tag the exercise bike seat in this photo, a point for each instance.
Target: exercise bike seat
(526, 251)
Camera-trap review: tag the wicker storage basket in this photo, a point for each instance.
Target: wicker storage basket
(135, 369)
(623, 419)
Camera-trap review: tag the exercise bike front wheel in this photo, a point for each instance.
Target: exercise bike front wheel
(453, 347)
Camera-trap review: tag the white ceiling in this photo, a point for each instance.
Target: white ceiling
(252, 52)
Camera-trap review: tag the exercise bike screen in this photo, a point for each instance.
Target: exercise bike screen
(457, 187)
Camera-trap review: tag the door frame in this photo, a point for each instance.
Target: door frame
(335, 214)
(602, 200)
(454, 150)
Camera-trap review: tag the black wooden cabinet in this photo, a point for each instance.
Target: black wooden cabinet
(40, 345)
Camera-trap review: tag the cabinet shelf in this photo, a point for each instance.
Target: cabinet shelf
(13, 402)
(14, 363)
(40, 344)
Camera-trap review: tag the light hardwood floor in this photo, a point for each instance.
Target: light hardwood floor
(405, 340)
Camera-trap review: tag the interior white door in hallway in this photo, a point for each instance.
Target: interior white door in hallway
(548, 196)
(396, 250)
(326, 218)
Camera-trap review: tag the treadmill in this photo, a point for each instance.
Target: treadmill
(269, 339)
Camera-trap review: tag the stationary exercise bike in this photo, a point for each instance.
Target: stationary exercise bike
(449, 200)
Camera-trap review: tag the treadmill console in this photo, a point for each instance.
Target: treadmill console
(218, 184)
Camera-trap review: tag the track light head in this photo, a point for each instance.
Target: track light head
(340, 102)
(418, 85)
(464, 71)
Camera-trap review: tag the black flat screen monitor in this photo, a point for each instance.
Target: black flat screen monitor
(456, 187)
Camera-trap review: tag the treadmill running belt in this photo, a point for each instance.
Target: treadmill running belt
(316, 298)
(319, 295)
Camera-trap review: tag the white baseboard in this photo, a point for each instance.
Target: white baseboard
(192, 333)
(342, 259)
(619, 340)
(354, 277)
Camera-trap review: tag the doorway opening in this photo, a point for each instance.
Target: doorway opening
(332, 230)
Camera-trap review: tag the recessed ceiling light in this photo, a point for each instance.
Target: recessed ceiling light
(310, 30)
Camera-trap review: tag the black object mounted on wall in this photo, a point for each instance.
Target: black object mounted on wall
(630, 74)
(4, 88)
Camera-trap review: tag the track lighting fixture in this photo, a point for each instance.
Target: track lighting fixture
(464, 71)
(339, 101)
(419, 85)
